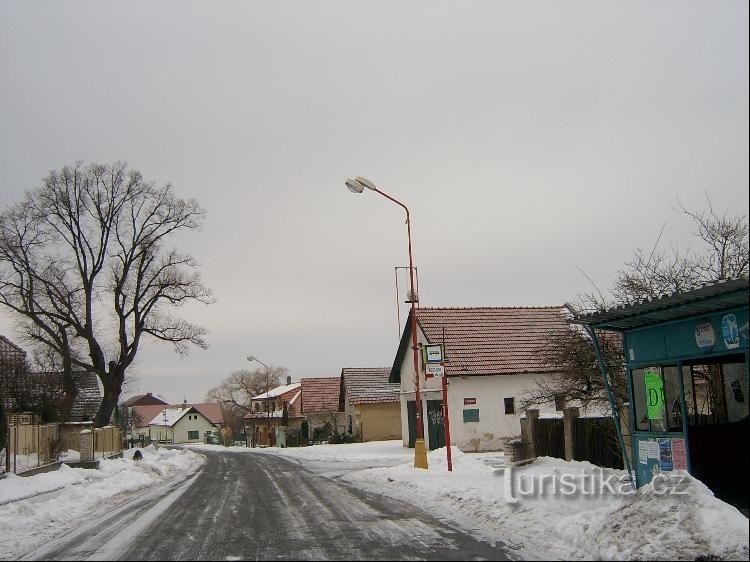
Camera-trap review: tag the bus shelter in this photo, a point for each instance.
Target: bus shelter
(686, 356)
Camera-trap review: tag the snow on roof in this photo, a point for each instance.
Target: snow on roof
(171, 415)
(278, 391)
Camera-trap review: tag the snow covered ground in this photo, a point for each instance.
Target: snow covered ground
(547, 509)
(34, 508)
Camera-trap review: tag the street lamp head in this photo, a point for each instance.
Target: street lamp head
(354, 186)
(367, 183)
(250, 358)
(358, 184)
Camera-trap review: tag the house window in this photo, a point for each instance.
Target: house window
(471, 415)
(559, 402)
(510, 406)
(193, 435)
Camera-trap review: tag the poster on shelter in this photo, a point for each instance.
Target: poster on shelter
(665, 454)
(679, 454)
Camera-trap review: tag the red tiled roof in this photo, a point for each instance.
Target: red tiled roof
(147, 399)
(211, 411)
(489, 341)
(369, 385)
(320, 395)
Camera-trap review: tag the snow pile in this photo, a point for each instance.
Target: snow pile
(685, 524)
(573, 510)
(40, 506)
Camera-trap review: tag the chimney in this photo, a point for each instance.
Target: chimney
(288, 380)
(148, 394)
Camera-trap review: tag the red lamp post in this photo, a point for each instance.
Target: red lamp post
(358, 185)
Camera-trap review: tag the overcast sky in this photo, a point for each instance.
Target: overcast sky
(530, 140)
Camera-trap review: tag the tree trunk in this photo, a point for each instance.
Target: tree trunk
(112, 383)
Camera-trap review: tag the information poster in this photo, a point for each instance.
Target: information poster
(642, 452)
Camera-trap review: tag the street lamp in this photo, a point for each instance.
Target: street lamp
(358, 185)
(252, 358)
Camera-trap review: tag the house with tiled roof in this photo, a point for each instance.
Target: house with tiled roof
(267, 412)
(22, 389)
(372, 405)
(321, 406)
(492, 356)
(140, 417)
(179, 424)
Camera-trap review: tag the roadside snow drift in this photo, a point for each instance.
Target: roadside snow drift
(34, 508)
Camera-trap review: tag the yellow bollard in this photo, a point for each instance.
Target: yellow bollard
(420, 454)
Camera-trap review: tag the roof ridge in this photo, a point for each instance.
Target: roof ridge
(542, 307)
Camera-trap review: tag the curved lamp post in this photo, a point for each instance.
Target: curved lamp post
(358, 185)
(252, 358)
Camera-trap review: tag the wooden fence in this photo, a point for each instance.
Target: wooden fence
(592, 439)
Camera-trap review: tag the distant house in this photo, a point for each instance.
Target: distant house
(371, 403)
(147, 399)
(322, 406)
(141, 417)
(493, 355)
(267, 412)
(182, 424)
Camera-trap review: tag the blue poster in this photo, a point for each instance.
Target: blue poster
(665, 454)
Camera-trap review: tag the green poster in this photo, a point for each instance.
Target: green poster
(654, 394)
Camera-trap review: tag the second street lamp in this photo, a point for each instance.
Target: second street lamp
(252, 358)
(358, 185)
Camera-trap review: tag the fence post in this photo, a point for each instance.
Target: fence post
(86, 445)
(624, 412)
(532, 417)
(570, 414)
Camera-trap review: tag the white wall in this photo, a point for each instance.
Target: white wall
(495, 427)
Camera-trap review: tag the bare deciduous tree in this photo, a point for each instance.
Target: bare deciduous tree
(722, 254)
(84, 267)
(235, 391)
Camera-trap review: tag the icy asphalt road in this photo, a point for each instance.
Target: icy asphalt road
(261, 507)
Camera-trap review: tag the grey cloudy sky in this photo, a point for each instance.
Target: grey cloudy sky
(529, 139)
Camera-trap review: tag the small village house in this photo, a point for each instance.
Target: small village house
(181, 424)
(492, 357)
(140, 418)
(321, 407)
(267, 413)
(372, 405)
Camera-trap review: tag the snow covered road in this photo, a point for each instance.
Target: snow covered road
(257, 506)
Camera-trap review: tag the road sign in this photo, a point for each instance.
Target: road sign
(434, 370)
(433, 353)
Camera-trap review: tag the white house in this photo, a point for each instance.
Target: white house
(180, 425)
(492, 356)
